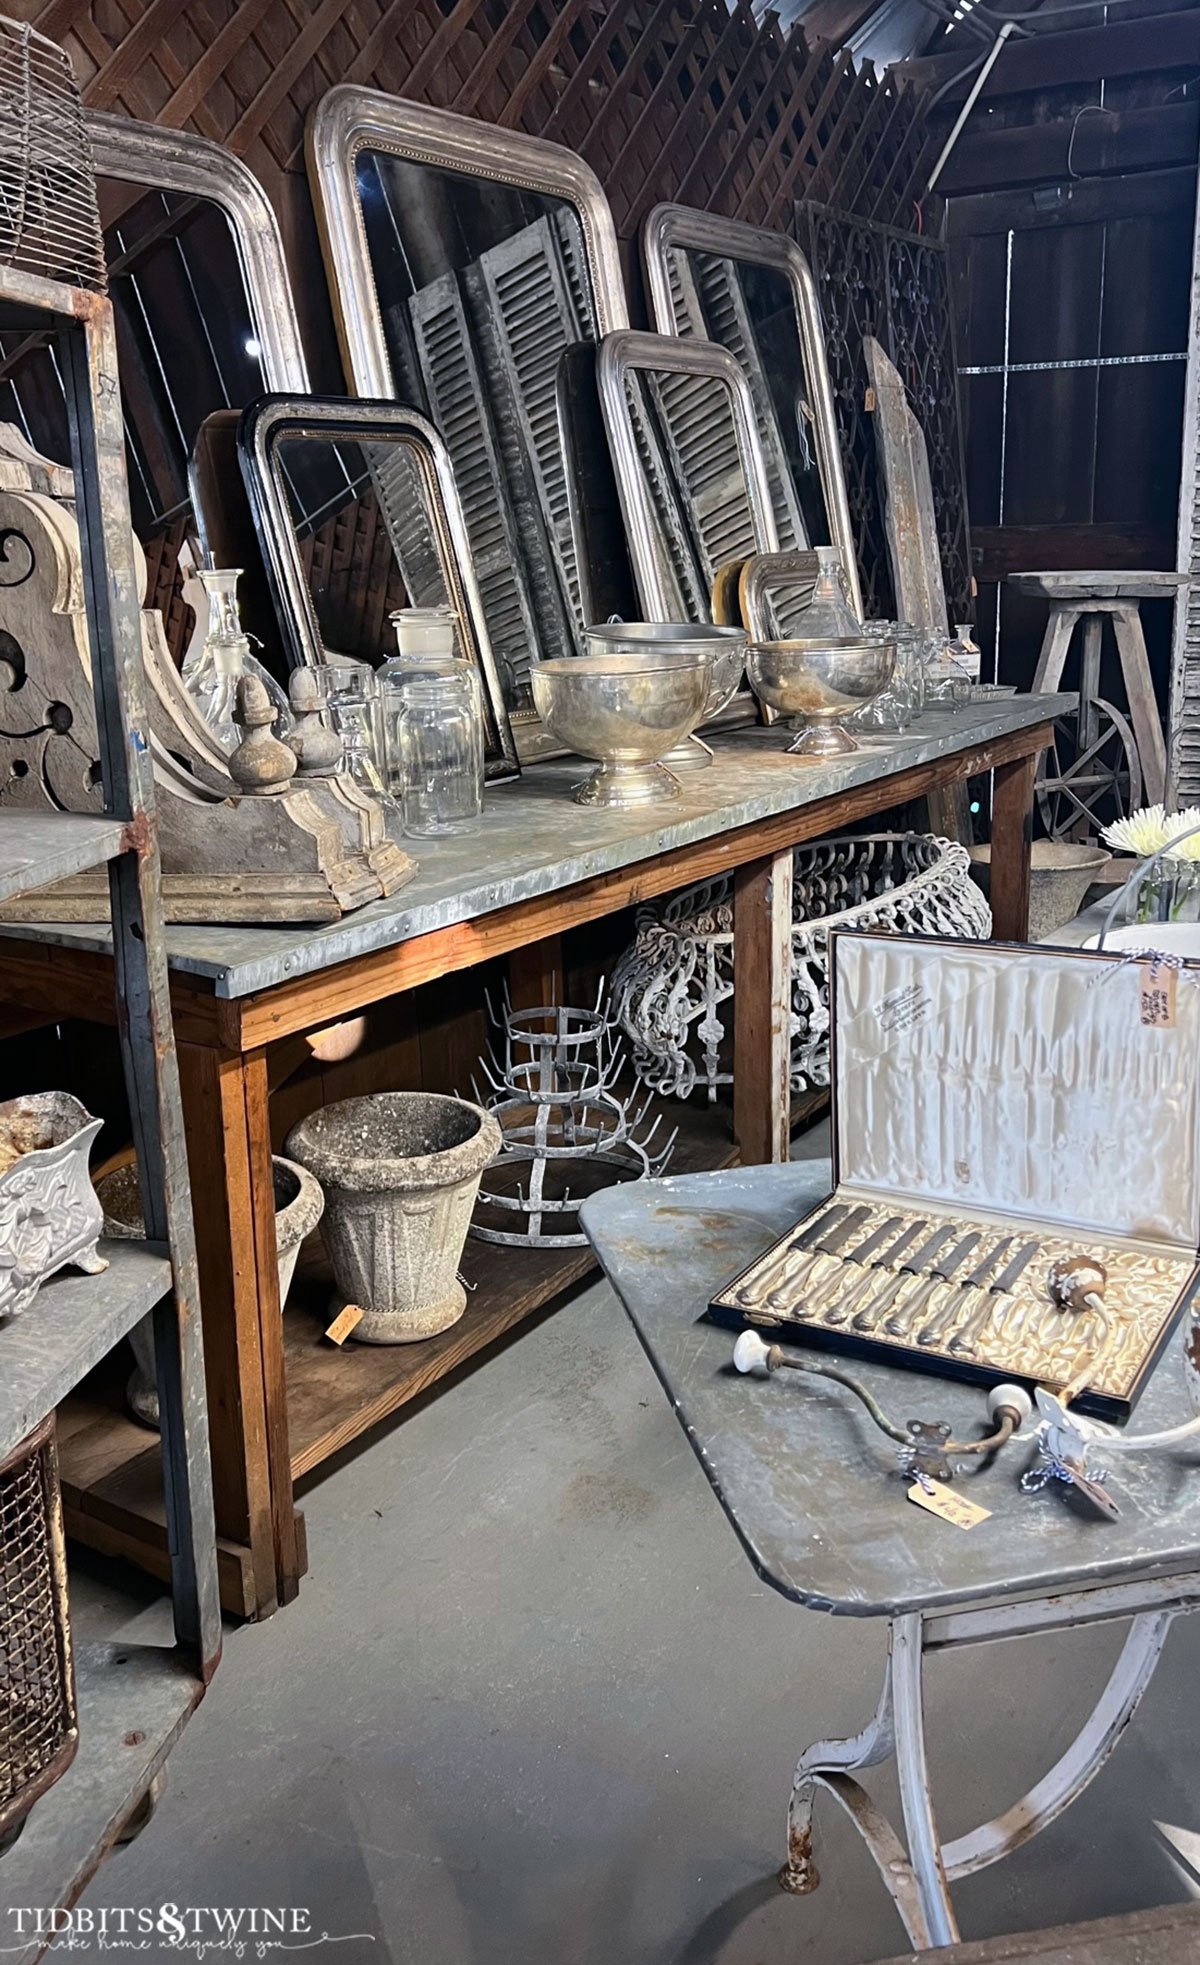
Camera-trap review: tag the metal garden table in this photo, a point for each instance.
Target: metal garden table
(806, 1482)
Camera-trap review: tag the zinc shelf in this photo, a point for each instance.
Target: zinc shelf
(72, 1323)
(39, 848)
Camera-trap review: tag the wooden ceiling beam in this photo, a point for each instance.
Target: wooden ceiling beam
(1045, 60)
(1088, 145)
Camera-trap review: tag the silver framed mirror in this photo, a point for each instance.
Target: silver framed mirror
(355, 506)
(464, 262)
(752, 291)
(691, 476)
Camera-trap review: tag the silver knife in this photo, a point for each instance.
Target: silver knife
(966, 1342)
(793, 1258)
(885, 1295)
(939, 1327)
(897, 1321)
(837, 1310)
(938, 1276)
(813, 1262)
(823, 1222)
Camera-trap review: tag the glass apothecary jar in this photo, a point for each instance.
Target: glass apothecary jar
(426, 631)
(436, 760)
(903, 700)
(828, 615)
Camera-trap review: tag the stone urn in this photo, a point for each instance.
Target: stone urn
(299, 1204)
(400, 1171)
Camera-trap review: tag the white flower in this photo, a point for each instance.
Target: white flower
(1179, 823)
(1142, 832)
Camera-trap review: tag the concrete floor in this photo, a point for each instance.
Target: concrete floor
(534, 1705)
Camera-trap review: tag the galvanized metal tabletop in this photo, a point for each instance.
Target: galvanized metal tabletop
(810, 1484)
(534, 840)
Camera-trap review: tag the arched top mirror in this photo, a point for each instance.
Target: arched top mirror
(465, 262)
(751, 291)
(357, 513)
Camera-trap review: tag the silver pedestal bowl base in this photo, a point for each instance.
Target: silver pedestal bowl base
(617, 785)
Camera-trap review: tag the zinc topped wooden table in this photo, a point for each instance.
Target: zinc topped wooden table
(280, 1401)
(811, 1488)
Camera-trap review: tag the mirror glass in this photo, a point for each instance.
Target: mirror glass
(365, 542)
(687, 438)
(186, 347)
(483, 288)
(750, 310)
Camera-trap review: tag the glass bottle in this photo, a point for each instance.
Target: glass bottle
(353, 712)
(829, 615)
(903, 699)
(438, 762)
(212, 679)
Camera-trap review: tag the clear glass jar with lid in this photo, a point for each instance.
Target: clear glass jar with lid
(436, 766)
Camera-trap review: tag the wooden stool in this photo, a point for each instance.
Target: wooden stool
(1087, 597)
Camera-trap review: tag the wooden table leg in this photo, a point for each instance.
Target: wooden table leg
(762, 1009)
(229, 1157)
(1012, 835)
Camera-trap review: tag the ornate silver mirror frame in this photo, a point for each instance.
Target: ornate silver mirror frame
(429, 476)
(677, 228)
(626, 357)
(350, 121)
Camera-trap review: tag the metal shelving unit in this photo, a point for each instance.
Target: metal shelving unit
(133, 1699)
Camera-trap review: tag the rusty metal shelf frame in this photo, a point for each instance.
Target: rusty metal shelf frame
(86, 349)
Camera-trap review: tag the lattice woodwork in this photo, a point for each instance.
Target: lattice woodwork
(684, 99)
(874, 279)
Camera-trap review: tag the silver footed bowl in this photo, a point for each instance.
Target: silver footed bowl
(726, 645)
(817, 683)
(627, 711)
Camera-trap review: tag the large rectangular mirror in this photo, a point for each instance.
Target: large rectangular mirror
(356, 508)
(465, 262)
(752, 292)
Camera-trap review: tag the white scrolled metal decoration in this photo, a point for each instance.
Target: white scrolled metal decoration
(670, 986)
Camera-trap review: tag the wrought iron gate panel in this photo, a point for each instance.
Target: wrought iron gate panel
(873, 279)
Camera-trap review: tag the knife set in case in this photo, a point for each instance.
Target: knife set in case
(996, 1111)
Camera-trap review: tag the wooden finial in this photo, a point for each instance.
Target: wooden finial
(260, 765)
(318, 749)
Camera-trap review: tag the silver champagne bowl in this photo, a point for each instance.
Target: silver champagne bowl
(727, 647)
(817, 683)
(627, 711)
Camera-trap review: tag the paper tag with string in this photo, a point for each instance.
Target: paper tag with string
(1157, 984)
(946, 1505)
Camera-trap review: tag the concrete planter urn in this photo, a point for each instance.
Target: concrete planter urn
(299, 1204)
(401, 1172)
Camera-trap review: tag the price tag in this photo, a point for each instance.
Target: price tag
(345, 1321)
(946, 1505)
(1157, 995)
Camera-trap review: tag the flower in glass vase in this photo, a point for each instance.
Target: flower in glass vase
(1171, 889)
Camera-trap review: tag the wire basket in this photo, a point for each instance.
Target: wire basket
(49, 217)
(38, 1727)
(672, 987)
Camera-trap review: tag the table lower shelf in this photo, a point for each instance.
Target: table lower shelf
(134, 1701)
(110, 1464)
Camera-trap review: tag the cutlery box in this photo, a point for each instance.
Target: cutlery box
(1029, 1095)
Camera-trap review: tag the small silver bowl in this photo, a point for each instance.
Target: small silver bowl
(814, 684)
(727, 647)
(627, 711)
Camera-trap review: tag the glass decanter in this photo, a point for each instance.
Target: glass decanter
(829, 615)
(212, 679)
